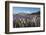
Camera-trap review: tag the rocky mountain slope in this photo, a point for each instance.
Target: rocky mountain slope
(26, 20)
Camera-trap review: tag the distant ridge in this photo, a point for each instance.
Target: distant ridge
(36, 13)
(25, 14)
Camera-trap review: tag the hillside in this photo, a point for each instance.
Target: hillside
(27, 20)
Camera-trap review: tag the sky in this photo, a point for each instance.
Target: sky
(28, 10)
